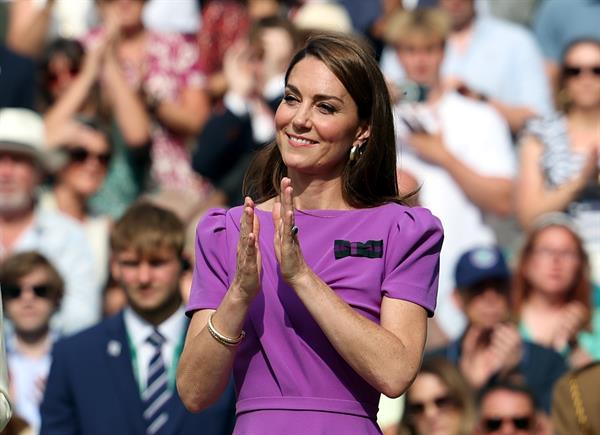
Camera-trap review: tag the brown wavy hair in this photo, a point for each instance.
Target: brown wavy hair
(370, 180)
(459, 391)
(521, 288)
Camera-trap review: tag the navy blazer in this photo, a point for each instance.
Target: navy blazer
(92, 390)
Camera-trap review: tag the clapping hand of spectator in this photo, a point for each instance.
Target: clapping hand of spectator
(40, 387)
(590, 171)
(240, 70)
(506, 344)
(277, 49)
(573, 316)
(486, 352)
(429, 147)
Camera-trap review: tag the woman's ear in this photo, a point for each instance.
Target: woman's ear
(363, 134)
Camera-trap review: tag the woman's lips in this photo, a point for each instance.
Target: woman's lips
(299, 141)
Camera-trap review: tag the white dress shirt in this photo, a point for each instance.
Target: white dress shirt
(138, 331)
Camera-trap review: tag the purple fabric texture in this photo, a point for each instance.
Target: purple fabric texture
(286, 362)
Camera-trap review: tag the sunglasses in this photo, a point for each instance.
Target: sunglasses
(14, 291)
(80, 155)
(494, 424)
(575, 71)
(53, 77)
(441, 403)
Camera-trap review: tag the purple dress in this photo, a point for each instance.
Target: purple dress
(289, 378)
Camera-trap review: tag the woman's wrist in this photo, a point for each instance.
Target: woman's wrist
(306, 278)
(240, 296)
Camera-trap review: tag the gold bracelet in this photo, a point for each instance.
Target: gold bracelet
(223, 339)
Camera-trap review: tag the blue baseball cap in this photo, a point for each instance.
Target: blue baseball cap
(480, 264)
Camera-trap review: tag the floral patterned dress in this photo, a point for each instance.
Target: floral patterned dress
(170, 65)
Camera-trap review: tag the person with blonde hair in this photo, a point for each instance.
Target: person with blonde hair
(457, 150)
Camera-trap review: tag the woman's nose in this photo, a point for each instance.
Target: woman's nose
(302, 120)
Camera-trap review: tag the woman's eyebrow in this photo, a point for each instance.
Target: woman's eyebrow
(318, 97)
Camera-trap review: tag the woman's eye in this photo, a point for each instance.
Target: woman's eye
(326, 108)
(289, 99)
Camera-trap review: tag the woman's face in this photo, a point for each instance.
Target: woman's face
(61, 73)
(553, 263)
(88, 161)
(431, 409)
(582, 75)
(317, 121)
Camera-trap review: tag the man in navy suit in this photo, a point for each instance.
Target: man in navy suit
(119, 377)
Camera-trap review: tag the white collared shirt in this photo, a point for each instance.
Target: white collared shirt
(138, 331)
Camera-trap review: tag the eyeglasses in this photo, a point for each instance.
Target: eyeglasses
(442, 403)
(80, 155)
(562, 254)
(14, 291)
(575, 71)
(493, 424)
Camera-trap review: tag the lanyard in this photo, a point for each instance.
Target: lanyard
(172, 370)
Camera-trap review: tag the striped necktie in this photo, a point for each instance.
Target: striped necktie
(157, 392)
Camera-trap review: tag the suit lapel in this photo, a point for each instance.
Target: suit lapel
(118, 357)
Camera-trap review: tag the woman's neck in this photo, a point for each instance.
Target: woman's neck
(69, 202)
(318, 194)
(544, 302)
(587, 119)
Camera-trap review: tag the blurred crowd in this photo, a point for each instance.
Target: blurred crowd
(107, 106)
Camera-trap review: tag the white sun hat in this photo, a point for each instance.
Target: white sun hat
(22, 131)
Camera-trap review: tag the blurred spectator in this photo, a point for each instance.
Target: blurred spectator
(322, 15)
(551, 291)
(576, 402)
(517, 11)
(439, 402)
(31, 290)
(223, 23)
(32, 23)
(5, 408)
(508, 409)
(254, 71)
(458, 150)
(560, 154)
(180, 16)
(17, 79)
(163, 69)
(25, 227)
(559, 23)
(490, 348)
(132, 356)
(490, 60)
(70, 90)
(496, 61)
(363, 14)
(86, 158)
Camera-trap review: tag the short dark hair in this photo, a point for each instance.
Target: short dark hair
(19, 265)
(145, 228)
(512, 384)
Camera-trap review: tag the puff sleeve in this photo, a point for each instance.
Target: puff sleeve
(412, 260)
(210, 279)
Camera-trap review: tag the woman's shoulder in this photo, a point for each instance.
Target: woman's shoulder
(545, 126)
(215, 219)
(405, 214)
